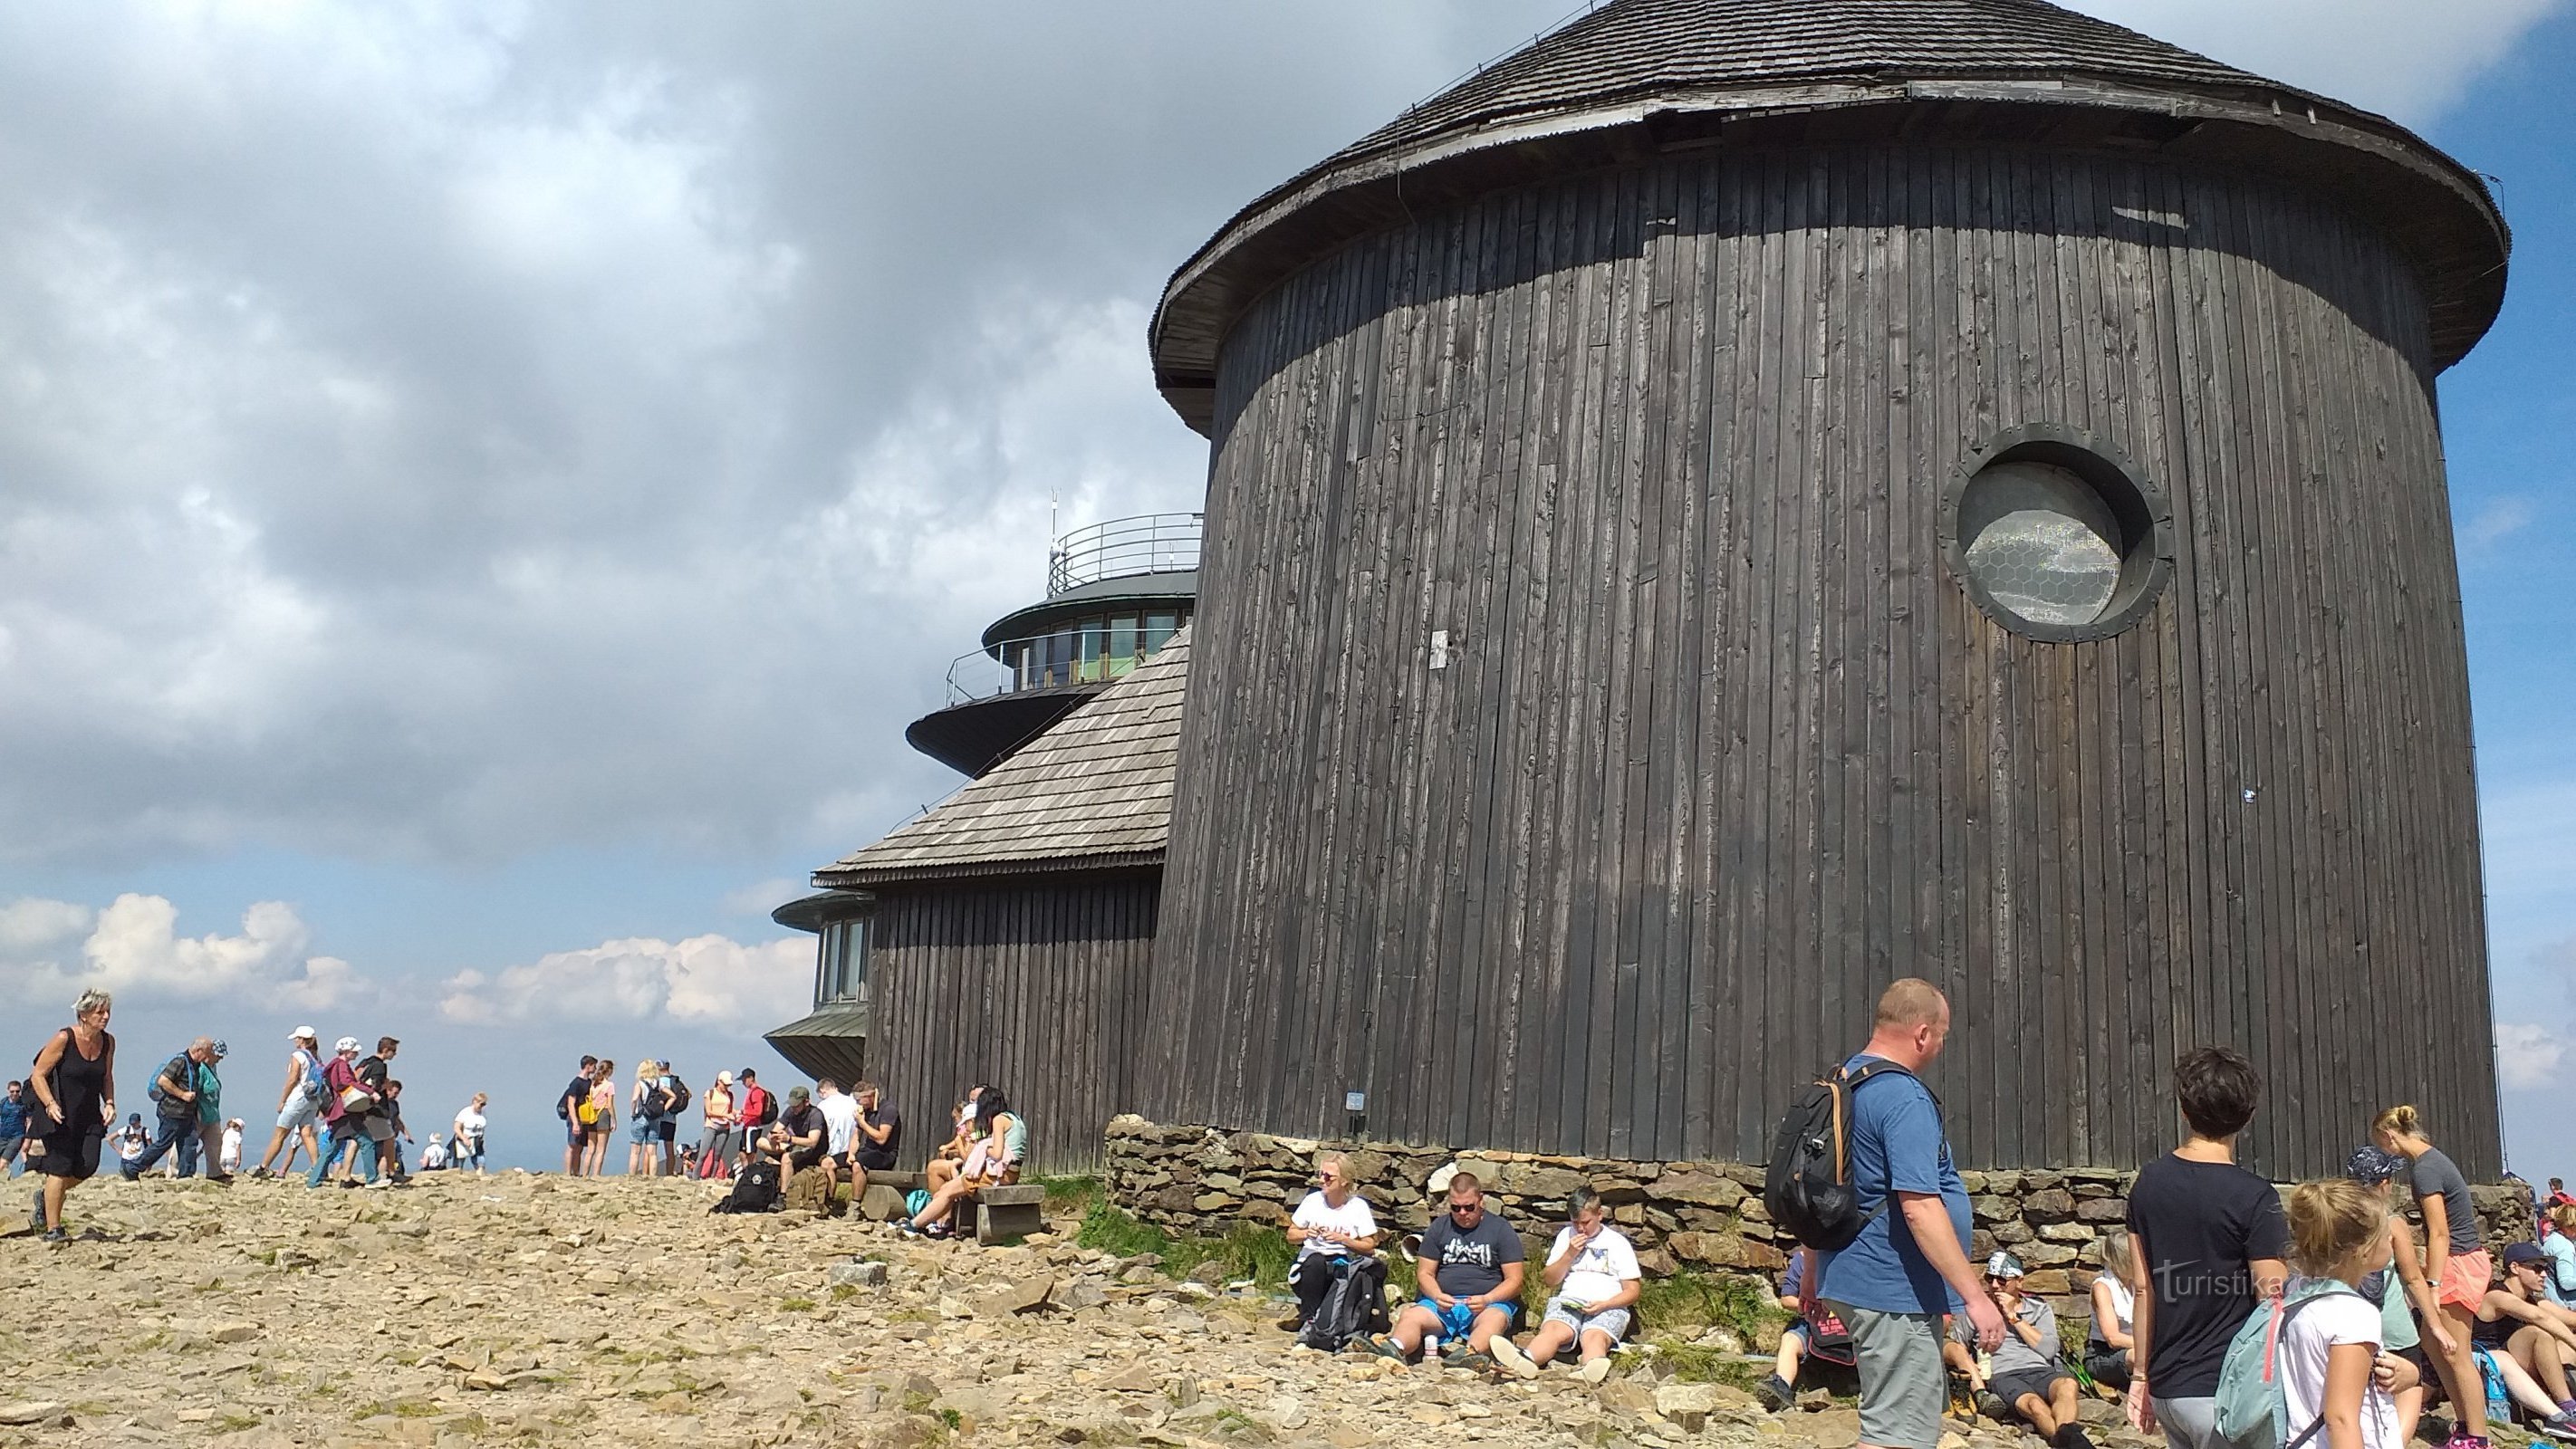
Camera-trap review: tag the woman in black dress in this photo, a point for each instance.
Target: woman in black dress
(75, 1084)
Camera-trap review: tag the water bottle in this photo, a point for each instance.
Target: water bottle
(1431, 1348)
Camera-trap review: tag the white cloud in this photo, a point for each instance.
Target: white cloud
(2500, 519)
(2527, 1056)
(132, 949)
(704, 980)
(2403, 58)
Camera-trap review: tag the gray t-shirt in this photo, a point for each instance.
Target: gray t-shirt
(2015, 1356)
(2436, 1175)
(1471, 1263)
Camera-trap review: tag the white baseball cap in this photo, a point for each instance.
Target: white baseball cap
(345, 1044)
(303, 1033)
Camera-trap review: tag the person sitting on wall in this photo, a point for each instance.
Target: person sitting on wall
(1594, 1280)
(991, 1162)
(880, 1136)
(2026, 1371)
(952, 1154)
(1331, 1227)
(1824, 1337)
(2517, 1320)
(2108, 1344)
(1469, 1274)
(802, 1131)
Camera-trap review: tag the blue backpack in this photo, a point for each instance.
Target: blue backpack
(2251, 1408)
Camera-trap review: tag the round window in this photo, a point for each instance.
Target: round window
(2054, 537)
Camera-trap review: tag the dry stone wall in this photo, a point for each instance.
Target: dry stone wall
(1702, 1216)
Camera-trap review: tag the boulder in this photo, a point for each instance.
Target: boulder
(1726, 1250)
(2049, 1204)
(1697, 1189)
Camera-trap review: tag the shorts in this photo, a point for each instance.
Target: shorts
(575, 1133)
(301, 1111)
(1459, 1320)
(2109, 1366)
(1612, 1321)
(2010, 1387)
(640, 1132)
(74, 1156)
(2465, 1279)
(1833, 1346)
(9, 1147)
(1903, 1384)
(371, 1127)
(667, 1130)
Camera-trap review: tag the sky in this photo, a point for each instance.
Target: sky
(483, 489)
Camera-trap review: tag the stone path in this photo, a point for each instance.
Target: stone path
(468, 1311)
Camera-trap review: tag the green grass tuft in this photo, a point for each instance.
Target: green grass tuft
(1068, 1195)
(1247, 1251)
(1113, 1230)
(1690, 1303)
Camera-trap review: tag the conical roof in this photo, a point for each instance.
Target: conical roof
(1634, 78)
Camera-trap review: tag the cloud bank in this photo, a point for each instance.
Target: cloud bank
(51, 951)
(705, 980)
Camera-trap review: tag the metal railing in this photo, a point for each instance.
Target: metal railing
(1081, 654)
(1150, 543)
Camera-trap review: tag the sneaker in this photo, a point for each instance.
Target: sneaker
(2561, 1425)
(221, 1179)
(2071, 1436)
(1775, 1393)
(55, 1235)
(385, 1184)
(257, 1173)
(1509, 1358)
(1384, 1347)
(1594, 1370)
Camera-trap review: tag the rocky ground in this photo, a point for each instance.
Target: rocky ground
(466, 1311)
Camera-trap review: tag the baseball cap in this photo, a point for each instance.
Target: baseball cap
(303, 1033)
(222, 1050)
(2370, 1167)
(2004, 1265)
(2519, 1253)
(724, 1079)
(799, 1094)
(345, 1044)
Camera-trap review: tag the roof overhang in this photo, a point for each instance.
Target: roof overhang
(812, 913)
(2438, 212)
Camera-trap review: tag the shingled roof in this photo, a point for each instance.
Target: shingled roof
(1092, 793)
(1625, 82)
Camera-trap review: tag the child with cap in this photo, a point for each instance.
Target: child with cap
(2027, 1371)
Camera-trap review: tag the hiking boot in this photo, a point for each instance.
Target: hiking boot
(1775, 1393)
(2070, 1436)
(1383, 1347)
(1594, 1370)
(1509, 1358)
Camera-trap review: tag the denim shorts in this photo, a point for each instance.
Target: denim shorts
(640, 1132)
(301, 1111)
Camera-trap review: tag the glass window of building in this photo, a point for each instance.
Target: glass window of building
(842, 974)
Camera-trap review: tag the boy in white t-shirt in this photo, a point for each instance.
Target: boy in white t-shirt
(228, 1156)
(1592, 1271)
(2329, 1357)
(1334, 1222)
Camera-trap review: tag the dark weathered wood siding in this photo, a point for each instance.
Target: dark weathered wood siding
(1722, 747)
(1035, 988)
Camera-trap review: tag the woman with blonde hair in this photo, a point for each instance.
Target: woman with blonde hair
(2336, 1379)
(603, 1124)
(2108, 1344)
(75, 1087)
(2455, 1261)
(643, 1150)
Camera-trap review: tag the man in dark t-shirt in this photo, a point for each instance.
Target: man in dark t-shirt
(568, 1107)
(1468, 1271)
(2209, 1241)
(809, 1184)
(880, 1133)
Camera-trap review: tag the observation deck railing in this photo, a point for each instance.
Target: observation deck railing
(1150, 543)
(1085, 653)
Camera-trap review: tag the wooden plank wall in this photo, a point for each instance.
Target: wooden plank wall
(1033, 987)
(1722, 748)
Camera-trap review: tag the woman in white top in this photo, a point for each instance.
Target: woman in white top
(1593, 1279)
(2335, 1381)
(2115, 1311)
(1333, 1223)
(466, 1144)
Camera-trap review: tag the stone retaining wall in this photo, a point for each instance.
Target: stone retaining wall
(1704, 1216)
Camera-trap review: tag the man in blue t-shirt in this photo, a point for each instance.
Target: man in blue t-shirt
(1909, 1266)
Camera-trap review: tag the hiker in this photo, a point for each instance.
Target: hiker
(2516, 1319)
(989, 1163)
(840, 1129)
(2208, 1242)
(1468, 1272)
(2558, 1243)
(717, 1120)
(2027, 1371)
(174, 1108)
(2115, 1307)
(132, 1141)
(2455, 1259)
(210, 1114)
(13, 1127)
(228, 1150)
(759, 1111)
(299, 1106)
(466, 1133)
(880, 1136)
(75, 1086)
(801, 1126)
(571, 1105)
(1824, 1337)
(1909, 1266)
(401, 1134)
(671, 1097)
(1593, 1281)
(2333, 1373)
(2401, 1289)
(601, 1131)
(643, 1153)
(1328, 1228)
(348, 1115)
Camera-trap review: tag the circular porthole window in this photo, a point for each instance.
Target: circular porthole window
(2055, 537)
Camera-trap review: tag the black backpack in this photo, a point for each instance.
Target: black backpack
(1808, 1189)
(674, 1099)
(1354, 1305)
(755, 1190)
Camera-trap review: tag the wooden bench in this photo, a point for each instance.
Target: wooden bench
(882, 1200)
(1009, 1212)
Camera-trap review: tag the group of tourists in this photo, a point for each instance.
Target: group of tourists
(657, 1106)
(343, 1112)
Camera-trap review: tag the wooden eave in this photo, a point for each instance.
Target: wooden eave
(2437, 212)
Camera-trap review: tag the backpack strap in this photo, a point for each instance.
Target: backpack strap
(2283, 1310)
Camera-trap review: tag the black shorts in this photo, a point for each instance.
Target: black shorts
(667, 1129)
(2414, 1353)
(2010, 1387)
(74, 1155)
